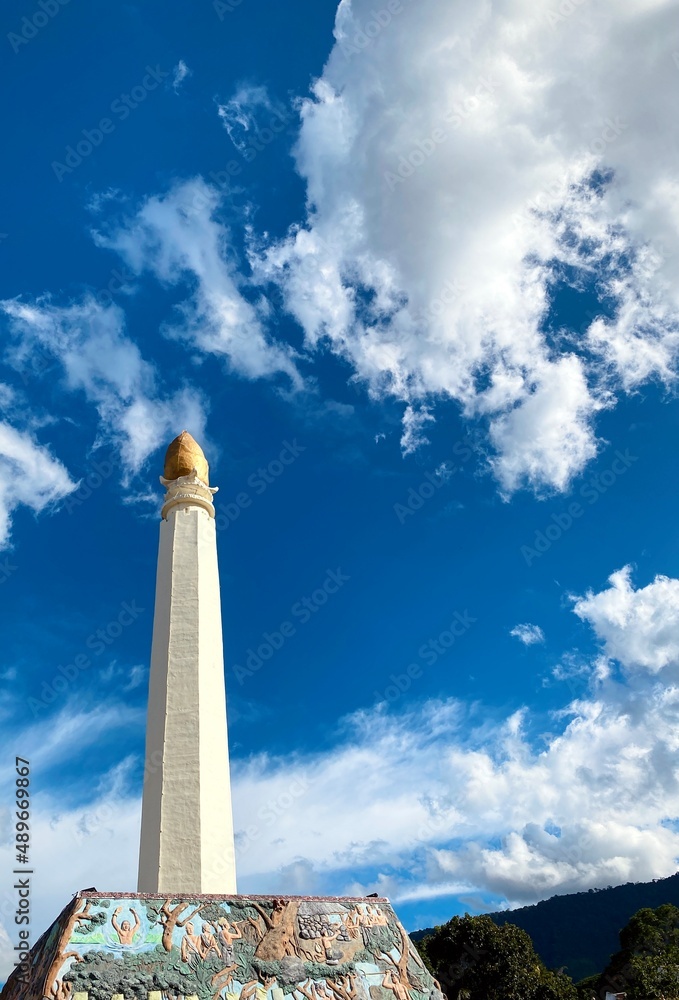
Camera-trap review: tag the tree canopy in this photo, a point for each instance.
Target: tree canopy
(647, 965)
(475, 959)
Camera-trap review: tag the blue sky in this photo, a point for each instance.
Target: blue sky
(430, 253)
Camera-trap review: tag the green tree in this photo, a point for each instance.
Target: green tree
(588, 988)
(647, 965)
(475, 959)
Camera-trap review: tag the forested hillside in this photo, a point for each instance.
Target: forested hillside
(580, 931)
(477, 959)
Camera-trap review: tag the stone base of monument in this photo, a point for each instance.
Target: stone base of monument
(121, 946)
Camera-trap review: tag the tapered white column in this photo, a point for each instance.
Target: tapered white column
(187, 841)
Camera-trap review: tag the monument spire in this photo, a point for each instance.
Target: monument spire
(187, 841)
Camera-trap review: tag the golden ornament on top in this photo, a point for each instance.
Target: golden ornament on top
(183, 456)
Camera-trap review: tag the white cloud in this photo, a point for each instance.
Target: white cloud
(435, 799)
(414, 422)
(240, 116)
(178, 239)
(89, 342)
(592, 803)
(137, 675)
(529, 635)
(639, 628)
(461, 161)
(549, 435)
(51, 736)
(100, 841)
(606, 783)
(98, 837)
(461, 166)
(29, 476)
(179, 74)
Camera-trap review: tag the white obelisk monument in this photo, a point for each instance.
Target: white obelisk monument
(187, 826)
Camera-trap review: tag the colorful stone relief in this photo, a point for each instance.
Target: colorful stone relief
(235, 948)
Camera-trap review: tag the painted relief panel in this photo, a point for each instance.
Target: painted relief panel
(235, 948)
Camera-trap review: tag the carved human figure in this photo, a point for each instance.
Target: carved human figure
(322, 949)
(328, 936)
(375, 917)
(191, 943)
(208, 942)
(228, 933)
(390, 982)
(126, 931)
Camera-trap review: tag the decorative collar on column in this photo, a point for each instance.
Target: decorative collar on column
(188, 491)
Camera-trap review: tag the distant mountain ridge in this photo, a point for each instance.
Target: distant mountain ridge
(580, 930)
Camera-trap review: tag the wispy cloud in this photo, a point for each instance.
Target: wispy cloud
(179, 239)
(30, 476)
(52, 739)
(528, 634)
(88, 343)
(247, 113)
(179, 74)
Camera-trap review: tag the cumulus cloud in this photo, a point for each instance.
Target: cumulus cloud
(529, 635)
(178, 239)
(485, 806)
(590, 809)
(638, 628)
(463, 164)
(88, 341)
(30, 475)
(463, 167)
(436, 798)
